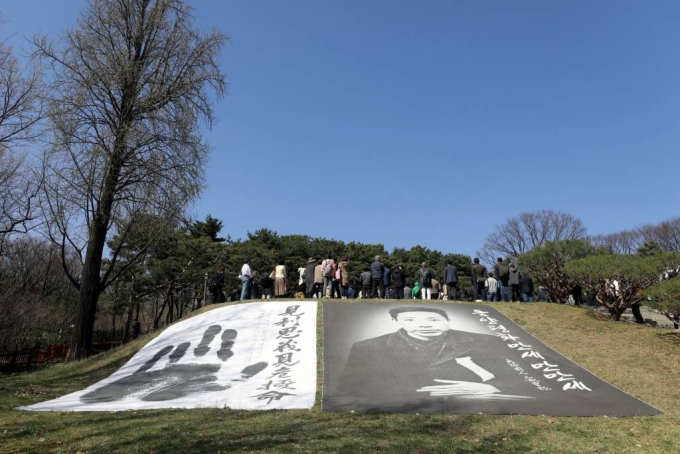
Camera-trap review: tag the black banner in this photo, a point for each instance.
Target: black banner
(453, 358)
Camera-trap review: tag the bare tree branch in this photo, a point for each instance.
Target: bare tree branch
(528, 231)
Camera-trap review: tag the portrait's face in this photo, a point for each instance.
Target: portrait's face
(423, 325)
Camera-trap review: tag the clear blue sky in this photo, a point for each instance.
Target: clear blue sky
(404, 122)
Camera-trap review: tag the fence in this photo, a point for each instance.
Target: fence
(25, 358)
(31, 357)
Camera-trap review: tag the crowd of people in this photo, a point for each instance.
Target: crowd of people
(331, 278)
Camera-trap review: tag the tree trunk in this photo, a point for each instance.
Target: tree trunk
(159, 313)
(89, 295)
(128, 321)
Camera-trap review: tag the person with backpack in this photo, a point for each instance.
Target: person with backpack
(399, 282)
(328, 267)
(377, 277)
(451, 280)
(425, 281)
(502, 272)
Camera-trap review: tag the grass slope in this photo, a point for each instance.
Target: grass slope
(642, 361)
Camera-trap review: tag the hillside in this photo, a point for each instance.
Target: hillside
(642, 361)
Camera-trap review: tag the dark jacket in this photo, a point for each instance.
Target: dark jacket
(377, 270)
(450, 274)
(425, 278)
(398, 277)
(309, 275)
(387, 276)
(479, 273)
(527, 284)
(391, 368)
(365, 279)
(218, 282)
(543, 296)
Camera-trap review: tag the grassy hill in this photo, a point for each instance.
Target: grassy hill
(642, 361)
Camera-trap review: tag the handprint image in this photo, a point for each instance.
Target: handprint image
(177, 379)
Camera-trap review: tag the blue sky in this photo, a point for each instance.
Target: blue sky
(404, 123)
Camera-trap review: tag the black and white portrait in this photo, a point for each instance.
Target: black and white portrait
(440, 358)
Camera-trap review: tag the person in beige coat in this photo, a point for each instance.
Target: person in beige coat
(343, 267)
(280, 280)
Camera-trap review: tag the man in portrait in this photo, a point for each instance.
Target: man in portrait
(423, 361)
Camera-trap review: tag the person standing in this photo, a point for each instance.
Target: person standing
(280, 280)
(302, 286)
(577, 294)
(502, 273)
(343, 267)
(514, 280)
(491, 287)
(217, 288)
(451, 280)
(377, 277)
(399, 282)
(387, 277)
(309, 277)
(436, 289)
(479, 277)
(365, 279)
(328, 267)
(527, 288)
(425, 281)
(318, 280)
(246, 280)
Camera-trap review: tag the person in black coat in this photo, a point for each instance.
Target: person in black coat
(399, 282)
(451, 280)
(217, 288)
(377, 277)
(527, 284)
(309, 277)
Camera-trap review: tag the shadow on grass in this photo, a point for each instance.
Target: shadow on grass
(230, 431)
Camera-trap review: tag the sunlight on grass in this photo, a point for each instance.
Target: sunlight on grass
(642, 361)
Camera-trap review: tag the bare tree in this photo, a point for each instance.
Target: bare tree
(130, 85)
(36, 301)
(19, 191)
(527, 231)
(19, 112)
(665, 234)
(623, 242)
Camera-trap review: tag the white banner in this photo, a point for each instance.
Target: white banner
(257, 356)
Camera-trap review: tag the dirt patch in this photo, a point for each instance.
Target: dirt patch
(674, 338)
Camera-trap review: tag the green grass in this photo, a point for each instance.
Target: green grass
(642, 361)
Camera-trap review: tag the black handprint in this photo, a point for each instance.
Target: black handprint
(176, 380)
